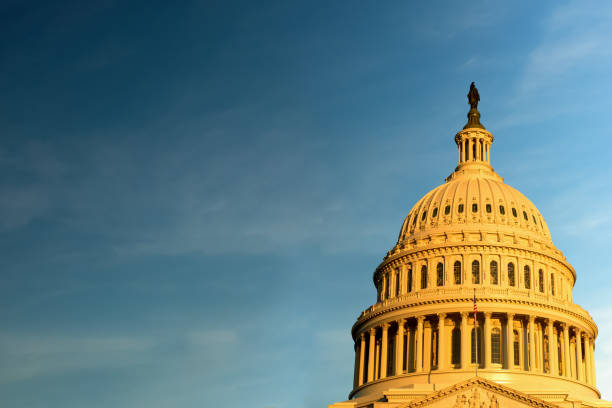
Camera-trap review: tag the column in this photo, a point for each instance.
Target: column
(509, 341)
(371, 354)
(385, 344)
(552, 348)
(487, 340)
(532, 345)
(465, 341)
(427, 347)
(356, 372)
(399, 347)
(463, 150)
(361, 358)
(593, 376)
(419, 343)
(567, 366)
(442, 343)
(579, 369)
(587, 358)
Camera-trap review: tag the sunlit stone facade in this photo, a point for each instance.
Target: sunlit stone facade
(474, 237)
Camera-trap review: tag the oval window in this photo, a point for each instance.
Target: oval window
(525, 216)
(502, 210)
(514, 212)
(424, 215)
(460, 208)
(447, 210)
(474, 207)
(488, 208)
(435, 212)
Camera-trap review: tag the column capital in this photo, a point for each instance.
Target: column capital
(510, 316)
(441, 315)
(531, 318)
(487, 315)
(466, 314)
(563, 325)
(362, 335)
(401, 321)
(421, 318)
(372, 331)
(386, 326)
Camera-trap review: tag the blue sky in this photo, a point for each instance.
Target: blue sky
(193, 196)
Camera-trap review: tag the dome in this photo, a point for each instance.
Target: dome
(470, 201)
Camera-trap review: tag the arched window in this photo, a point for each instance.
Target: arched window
(541, 280)
(397, 282)
(424, 277)
(476, 272)
(479, 342)
(516, 348)
(527, 273)
(457, 272)
(440, 274)
(496, 346)
(409, 283)
(456, 344)
(494, 273)
(511, 279)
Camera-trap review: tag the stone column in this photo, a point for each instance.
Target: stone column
(377, 360)
(487, 340)
(532, 365)
(579, 369)
(419, 343)
(593, 376)
(399, 347)
(442, 343)
(509, 341)
(567, 366)
(383, 354)
(427, 346)
(587, 359)
(371, 354)
(552, 348)
(465, 341)
(361, 358)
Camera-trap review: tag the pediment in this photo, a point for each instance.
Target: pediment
(478, 393)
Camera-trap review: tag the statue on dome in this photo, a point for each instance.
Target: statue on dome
(473, 96)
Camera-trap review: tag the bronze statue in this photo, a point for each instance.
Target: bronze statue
(473, 96)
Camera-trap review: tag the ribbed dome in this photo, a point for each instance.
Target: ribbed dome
(472, 201)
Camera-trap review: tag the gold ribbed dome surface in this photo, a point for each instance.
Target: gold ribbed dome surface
(474, 201)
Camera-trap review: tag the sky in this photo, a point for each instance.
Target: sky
(194, 195)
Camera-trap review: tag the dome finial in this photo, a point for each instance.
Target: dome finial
(473, 115)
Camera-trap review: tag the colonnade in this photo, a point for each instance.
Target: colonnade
(474, 149)
(504, 341)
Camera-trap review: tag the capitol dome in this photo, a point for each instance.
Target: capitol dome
(474, 287)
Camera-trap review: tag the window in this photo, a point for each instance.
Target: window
(460, 208)
(517, 356)
(457, 272)
(409, 285)
(525, 216)
(534, 220)
(502, 210)
(397, 282)
(447, 210)
(552, 284)
(541, 280)
(476, 272)
(511, 274)
(424, 277)
(387, 287)
(456, 344)
(378, 291)
(488, 208)
(474, 343)
(494, 273)
(527, 277)
(440, 274)
(435, 212)
(414, 220)
(514, 213)
(424, 215)
(474, 207)
(496, 346)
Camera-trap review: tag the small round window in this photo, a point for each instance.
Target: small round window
(514, 213)
(474, 207)
(435, 212)
(460, 208)
(488, 208)
(447, 210)
(502, 210)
